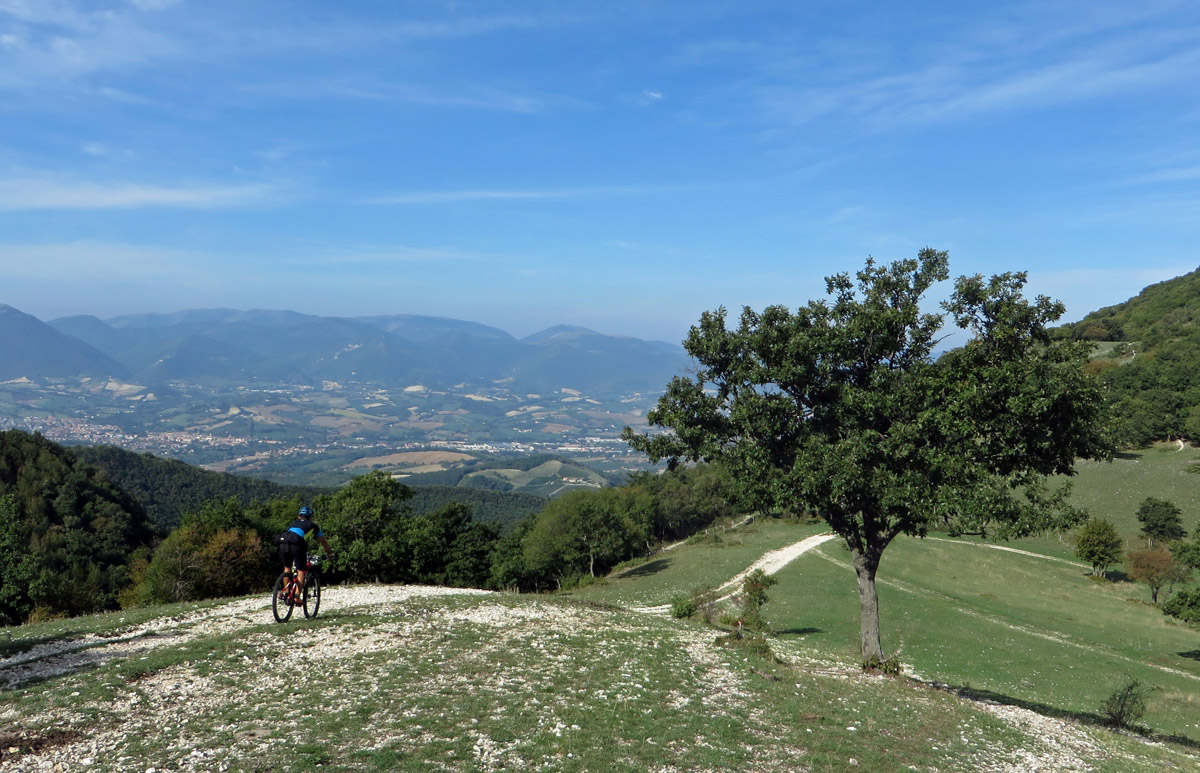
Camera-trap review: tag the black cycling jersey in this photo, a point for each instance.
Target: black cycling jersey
(301, 529)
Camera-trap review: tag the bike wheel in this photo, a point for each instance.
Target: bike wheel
(312, 595)
(280, 606)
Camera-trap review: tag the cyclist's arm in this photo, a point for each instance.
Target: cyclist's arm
(324, 543)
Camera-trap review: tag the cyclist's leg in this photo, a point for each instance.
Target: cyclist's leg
(285, 557)
(301, 554)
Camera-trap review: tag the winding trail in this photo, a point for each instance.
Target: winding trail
(770, 563)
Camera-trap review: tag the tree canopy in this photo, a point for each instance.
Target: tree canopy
(841, 408)
(66, 531)
(1161, 520)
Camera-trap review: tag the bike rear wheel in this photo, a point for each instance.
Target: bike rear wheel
(312, 595)
(281, 605)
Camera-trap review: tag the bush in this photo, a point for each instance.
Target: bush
(889, 667)
(683, 606)
(1184, 605)
(1127, 705)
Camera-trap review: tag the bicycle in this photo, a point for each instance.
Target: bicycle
(286, 595)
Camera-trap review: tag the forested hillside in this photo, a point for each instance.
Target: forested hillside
(168, 488)
(66, 531)
(1149, 360)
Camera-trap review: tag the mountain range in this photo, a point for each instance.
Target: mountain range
(265, 347)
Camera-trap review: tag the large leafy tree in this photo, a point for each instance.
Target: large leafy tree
(840, 407)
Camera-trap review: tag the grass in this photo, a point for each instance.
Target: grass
(1114, 490)
(1016, 629)
(499, 682)
(706, 562)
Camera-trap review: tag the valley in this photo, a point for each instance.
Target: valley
(327, 433)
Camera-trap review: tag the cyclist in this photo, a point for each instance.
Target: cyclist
(293, 544)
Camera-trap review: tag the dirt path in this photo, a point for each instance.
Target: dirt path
(770, 563)
(1010, 550)
(61, 657)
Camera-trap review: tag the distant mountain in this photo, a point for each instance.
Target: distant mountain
(206, 346)
(30, 347)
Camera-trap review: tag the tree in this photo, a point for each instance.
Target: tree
(588, 532)
(1099, 544)
(1156, 568)
(841, 409)
(367, 523)
(1161, 521)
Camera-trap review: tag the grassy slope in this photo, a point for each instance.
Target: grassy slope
(1022, 630)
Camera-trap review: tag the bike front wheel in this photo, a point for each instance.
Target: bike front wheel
(281, 606)
(312, 596)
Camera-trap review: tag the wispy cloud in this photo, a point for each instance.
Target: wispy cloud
(1049, 59)
(35, 194)
(455, 197)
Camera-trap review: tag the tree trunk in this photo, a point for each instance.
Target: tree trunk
(865, 566)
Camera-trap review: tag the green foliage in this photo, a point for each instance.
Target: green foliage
(588, 532)
(1184, 605)
(754, 596)
(1153, 384)
(169, 488)
(221, 550)
(366, 522)
(683, 607)
(1187, 553)
(886, 666)
(688, 499)
(67, 529)
(1099, 544)
(1127, 704)
(839, 408)
(448, 549)
(502, 508)
(1161, 520)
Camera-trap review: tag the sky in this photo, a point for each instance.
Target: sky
(617, 164)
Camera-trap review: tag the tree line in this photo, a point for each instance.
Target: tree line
(72, 542)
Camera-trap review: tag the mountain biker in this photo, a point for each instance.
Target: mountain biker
(293, 544)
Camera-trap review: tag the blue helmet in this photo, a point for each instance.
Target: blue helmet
(306, 512)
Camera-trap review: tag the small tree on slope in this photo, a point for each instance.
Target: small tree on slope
(1099, 544)
(840, 408)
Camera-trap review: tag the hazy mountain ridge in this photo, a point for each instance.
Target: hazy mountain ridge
(209, 345)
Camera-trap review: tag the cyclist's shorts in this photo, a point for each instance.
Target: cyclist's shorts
(297, 554)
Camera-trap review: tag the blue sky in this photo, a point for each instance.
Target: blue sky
(618, 165)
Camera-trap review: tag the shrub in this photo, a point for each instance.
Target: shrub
(1127, 705)
(889, 667)
(1184, 605)
(683, 606)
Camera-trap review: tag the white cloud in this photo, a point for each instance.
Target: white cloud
(41, 193)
